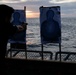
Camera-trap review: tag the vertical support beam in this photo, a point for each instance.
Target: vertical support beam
(26, 27)
(10, 51)
(42, 51)
(60, 50)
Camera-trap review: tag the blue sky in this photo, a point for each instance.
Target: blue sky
(68, 7)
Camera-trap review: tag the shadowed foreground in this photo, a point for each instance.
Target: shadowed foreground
(39, 67)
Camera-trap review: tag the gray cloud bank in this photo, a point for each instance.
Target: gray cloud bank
(67, 9)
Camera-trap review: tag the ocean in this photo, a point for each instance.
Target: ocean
(33, 39)
(68, 32)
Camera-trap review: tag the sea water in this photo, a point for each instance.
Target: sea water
(68, 36)
(68, 32)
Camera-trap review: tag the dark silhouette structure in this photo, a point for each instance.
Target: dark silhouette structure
(50, 30)
(16, 18)
(17, 37)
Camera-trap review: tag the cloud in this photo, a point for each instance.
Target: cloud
(68, 7)
(12, 1)
(18, 1)
(62, 1)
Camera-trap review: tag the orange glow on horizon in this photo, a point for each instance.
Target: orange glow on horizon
(30, 14)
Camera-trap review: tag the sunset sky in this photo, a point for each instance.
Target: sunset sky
(68, 7)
